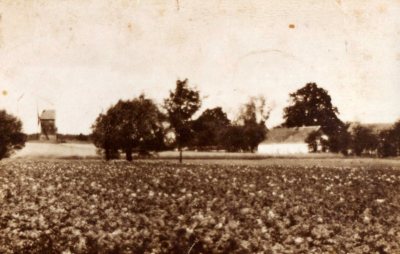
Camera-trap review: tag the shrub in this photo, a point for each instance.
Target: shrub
(11, 136)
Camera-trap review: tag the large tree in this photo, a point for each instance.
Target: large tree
(181, 104)
(249, 128)
(312, 105)
(389, 141)
(363, 140)
(209, 127)
(128, 125)
(11, 136)
(233, 138)
(253, 116)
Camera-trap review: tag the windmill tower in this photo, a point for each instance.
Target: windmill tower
(48, 129)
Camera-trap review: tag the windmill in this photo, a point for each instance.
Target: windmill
(48, 130)
(46, 121)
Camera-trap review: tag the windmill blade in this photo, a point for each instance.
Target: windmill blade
(37, 113)
(20, 97)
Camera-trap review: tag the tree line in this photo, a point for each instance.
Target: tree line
(140, 125)
(384, 143)
(312, 106)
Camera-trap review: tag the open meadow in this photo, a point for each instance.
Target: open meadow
(154, 206)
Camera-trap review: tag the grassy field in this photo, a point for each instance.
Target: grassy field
(43, 150)
(37, 150)
(202, 206)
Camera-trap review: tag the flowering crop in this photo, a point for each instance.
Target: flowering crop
(162, 207)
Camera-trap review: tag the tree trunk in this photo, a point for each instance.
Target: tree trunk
(107, 154)
(180, 154)
(107, 151)
(128, 153)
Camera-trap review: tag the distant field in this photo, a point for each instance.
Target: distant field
(87, 150)
(63, 150)
(154, 206)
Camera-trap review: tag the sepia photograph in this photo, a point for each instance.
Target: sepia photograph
(199, 126)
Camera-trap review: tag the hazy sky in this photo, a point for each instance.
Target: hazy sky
(79, 57)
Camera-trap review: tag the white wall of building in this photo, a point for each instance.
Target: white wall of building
(283, 149)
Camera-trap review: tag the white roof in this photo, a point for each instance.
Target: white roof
(48, 114)
(289, 135)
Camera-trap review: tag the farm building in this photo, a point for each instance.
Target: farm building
(286, 141)
(47, 121)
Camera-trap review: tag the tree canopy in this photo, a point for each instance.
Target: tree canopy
(103, 135)
(253, 116)
(363, 140)
(128, 125)
(389, 141)
(209, 127)
(249, 128)
(11, 135)
(312, 105)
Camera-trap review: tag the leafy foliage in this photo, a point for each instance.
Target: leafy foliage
(314, 140)
(234, 139)
(127, 125)
(11, 136)
(396, 136)
(339, 140)
(363, 140)
(389, 141)
(209, 128)
(214, 129)
(252, 120)
(104, 136)
(181, 104)
(312, 105)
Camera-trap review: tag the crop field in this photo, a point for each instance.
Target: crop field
(83, 206)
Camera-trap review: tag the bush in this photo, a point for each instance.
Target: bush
(363, 140)
(389, 141)
(11, 136)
